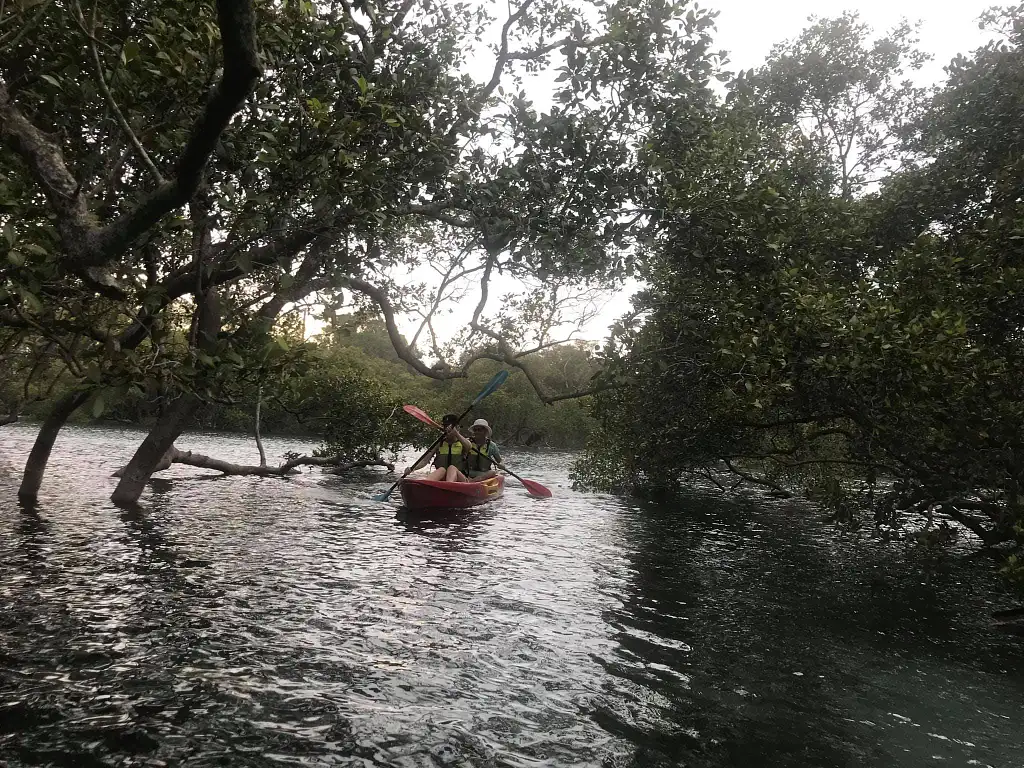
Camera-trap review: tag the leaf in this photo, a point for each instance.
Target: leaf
(51, 80)
(17, 258)
(98, 406)
(9, 233)
(31, 299)
(243, 261)
(131, 50)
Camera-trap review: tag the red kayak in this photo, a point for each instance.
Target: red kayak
(440, 494)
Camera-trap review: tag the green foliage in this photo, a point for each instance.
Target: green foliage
(361, 139)
(802, 334)
(346, 388)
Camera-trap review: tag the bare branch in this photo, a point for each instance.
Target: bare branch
(447, 280)
(256, 427)
(401, 346)
(193, 459)
(757, 480)
(484, 282)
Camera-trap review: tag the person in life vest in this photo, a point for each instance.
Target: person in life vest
(448, 458)
(479, 454)
(458, 460)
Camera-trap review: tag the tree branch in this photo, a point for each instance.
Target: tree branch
(503, 54)
(87, 245)
(109, 97)
(25, 29)
(193, 459)
(758, 480)
(401, 346)
(236, 19)
(437, 213)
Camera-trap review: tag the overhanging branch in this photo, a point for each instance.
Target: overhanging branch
(88, 245)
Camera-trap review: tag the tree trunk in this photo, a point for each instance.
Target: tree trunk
(154, 448)
(172, 422)
(35, 467)
(259, 442)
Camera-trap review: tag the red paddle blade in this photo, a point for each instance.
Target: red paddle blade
(418, 413)
(536, 489)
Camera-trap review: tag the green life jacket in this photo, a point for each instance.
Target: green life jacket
(448, 454)
(479, 462)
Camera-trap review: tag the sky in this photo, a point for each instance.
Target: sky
(748, 29)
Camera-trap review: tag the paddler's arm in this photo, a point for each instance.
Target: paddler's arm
(421, 463)
(467, 445)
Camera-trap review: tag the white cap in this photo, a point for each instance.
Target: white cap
(481, 423)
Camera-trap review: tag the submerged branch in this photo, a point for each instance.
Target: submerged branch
(193, 459)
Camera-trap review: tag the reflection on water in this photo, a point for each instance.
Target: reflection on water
(256, 621)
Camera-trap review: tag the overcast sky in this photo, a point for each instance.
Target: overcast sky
(748, 28)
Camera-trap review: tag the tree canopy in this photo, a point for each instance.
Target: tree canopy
(177, 175)
(846, 329)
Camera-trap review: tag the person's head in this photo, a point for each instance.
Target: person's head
(480, 430)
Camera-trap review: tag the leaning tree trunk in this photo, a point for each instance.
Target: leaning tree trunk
(172, 422)
(156, 445)
(35, 467)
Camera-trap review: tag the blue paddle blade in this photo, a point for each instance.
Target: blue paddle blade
(493, 384)
(381, 497)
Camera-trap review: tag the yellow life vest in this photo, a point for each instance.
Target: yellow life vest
(478, 462)
(448, 454)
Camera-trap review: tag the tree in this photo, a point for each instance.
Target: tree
(162, 183)
(850, 93)
(859, 349)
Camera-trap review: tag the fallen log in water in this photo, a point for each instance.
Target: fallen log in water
(191, 458)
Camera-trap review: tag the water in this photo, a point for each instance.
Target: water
(248, 621)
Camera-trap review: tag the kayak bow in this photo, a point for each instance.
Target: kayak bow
(440, 494)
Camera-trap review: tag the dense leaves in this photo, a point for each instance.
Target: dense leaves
(805, 331)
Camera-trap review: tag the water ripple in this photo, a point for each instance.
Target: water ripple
(254, 621)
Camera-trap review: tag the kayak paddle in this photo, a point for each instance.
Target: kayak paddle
(533, 488)
(418, 413)
(496, 381)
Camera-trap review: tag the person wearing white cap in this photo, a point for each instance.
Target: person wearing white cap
(478, 455)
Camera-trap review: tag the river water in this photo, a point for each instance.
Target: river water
(247, 621)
